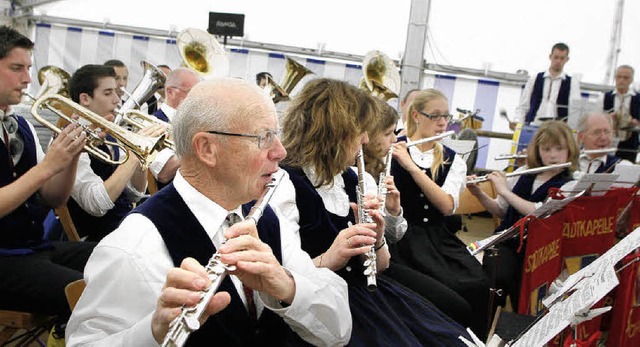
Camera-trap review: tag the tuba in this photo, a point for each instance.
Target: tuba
(53, 80)
(293, 75)
(381, 77)
(200, 51)
(143, 147)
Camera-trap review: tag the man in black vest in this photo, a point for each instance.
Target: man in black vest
(550, 94)
(34, 272)
(623, 104)
(138, 279)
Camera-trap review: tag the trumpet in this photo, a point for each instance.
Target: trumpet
(143, 147)
(510, 156)
(188, 321)
(139, 120)
(431, 139)
(523, 172)
(370, 264)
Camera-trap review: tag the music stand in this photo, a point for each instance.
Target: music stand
(589, 286)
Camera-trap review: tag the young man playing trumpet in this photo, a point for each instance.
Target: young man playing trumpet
(34, 272)
(103, 193)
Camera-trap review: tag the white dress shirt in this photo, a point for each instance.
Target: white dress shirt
(621, 105)
(91, 194)
(164, 155)
(587, 165)
(127, 270)
(456, 180)
(548, 104)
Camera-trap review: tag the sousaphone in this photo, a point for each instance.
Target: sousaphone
(202, 52)
(380, 75)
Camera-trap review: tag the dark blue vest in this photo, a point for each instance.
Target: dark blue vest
(413, 200)
(152, 105)
(161, 116)
(523, 189)
(562, 101)
(612, 160)
(634, 106)
(315, 217)
(185, 237)
(21, 230)
(98, 227)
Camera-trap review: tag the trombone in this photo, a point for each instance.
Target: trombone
(535, 170)
(143, 147)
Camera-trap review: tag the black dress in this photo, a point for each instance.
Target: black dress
(430, 248)
(392, 315)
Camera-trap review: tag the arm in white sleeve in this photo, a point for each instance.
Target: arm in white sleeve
(117, 305)
(89, 191)
(525, 101)
(456, 181)
(320, 311)
(160, 161)
(395, 227)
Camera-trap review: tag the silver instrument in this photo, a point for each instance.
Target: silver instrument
(599, 151)
(189, 320)
(431, 139)
(152, 79)
(523, 172)
(370, 266)
(510, 156)
(382, 186)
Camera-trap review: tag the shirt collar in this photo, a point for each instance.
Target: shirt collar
(208, 213)
(629, 92)
(561, 76)
(168, 111)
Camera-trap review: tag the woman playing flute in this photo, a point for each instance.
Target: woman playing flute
(323, 131)
(430, 178)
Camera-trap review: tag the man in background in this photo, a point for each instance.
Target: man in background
(550, 94)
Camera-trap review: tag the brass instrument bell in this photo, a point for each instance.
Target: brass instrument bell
(380, 75)
(201, 51)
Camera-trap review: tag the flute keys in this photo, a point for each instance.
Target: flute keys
(369, 271)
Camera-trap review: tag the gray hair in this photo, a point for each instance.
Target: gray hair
(215, 104)
(176, 76)
(582, 123)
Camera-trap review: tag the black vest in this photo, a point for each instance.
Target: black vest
(22, 228)
(634, 105)
(612, 160)
(185, 237)
(415, 204)
(160, 115)
(98, 227)
(562, 101)
(523, 189)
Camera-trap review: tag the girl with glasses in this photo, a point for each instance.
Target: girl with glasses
(430, 178)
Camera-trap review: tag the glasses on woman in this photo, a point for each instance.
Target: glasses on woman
(436, 117)
(265, 138)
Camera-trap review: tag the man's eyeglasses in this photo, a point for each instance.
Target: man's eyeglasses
(265, 139)
(180, 89)
(436, 117)
(600, 132)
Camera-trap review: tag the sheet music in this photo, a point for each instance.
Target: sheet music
(597, 183)
(551, 206)
(589, 286)
(462, 147)
(628, 175)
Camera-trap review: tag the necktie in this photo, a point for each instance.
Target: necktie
(233, 218)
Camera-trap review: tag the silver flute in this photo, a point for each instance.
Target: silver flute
(510, 156)
(189, 319)
(382, 186)
(523, 172)
(370, 266)
(432, 138)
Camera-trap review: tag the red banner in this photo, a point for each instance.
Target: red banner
(542, 262)
(625, 316)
